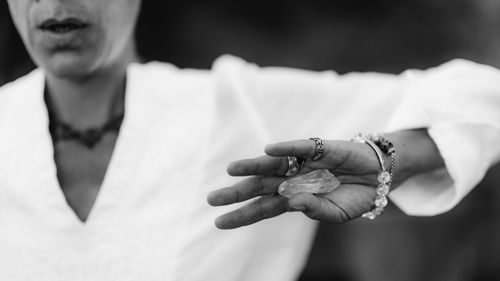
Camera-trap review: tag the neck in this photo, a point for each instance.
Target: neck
(90, 101)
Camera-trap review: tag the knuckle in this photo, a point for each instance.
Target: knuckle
(238, 215)
(237, 196)
(283, 166)
(262, 212)
(260, 184)
(257, 167)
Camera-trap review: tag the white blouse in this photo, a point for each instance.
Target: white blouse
(182, 127)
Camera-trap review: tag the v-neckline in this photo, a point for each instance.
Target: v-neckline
(109, 175)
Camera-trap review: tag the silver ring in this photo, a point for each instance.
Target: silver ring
(293, 166)
(319, 150)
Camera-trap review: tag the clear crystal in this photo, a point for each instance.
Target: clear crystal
(317, 182)
(383, 189)
(384, 177)
(381, 201)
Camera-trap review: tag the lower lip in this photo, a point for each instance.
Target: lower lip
(63, 40)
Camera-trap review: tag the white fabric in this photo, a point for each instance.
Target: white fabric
(181, 128)
(460, 104)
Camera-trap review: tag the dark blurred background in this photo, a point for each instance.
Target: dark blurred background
(356, 35)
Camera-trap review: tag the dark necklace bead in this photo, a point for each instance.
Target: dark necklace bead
(90, 137)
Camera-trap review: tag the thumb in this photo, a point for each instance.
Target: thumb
(318, 208)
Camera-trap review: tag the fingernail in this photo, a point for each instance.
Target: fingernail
(219, 223)
(268, 148)
(300, 208)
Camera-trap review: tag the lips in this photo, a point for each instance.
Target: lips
(63, 26)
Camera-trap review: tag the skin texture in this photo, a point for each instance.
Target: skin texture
(85, 72)
(355, 165)
(100, 45)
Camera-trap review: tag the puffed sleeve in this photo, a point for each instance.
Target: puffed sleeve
(283, 103)
(459, 103)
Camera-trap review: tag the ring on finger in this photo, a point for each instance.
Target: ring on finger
(319, 150)
(294, 166)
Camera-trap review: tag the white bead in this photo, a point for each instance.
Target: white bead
(383, 189)
(369, 215)
(384, 177)
(381, 201)
(378, 211)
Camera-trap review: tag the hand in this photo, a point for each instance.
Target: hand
(354, 164)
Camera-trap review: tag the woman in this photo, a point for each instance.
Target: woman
(132, 205)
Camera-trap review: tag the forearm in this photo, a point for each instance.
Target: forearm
(416, 153)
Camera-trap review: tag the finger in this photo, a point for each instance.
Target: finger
(244, 190)
(263, 165)
(318, 208)
(335, 152)
(342, 157)
(298, 148)
(353, 199)
(260, 209)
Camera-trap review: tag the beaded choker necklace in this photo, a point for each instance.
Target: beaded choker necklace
(61, 131)
(89, 137)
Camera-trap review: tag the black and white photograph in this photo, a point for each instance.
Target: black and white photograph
(249, 140)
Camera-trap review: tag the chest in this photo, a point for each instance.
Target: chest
(81, 171)
(149, 185)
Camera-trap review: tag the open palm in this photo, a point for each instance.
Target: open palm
(354, 164)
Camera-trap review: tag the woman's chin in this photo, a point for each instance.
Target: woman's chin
(69, 67)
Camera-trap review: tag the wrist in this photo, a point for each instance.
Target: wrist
(416, 154)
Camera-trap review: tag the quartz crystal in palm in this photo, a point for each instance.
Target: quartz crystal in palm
(316, 182)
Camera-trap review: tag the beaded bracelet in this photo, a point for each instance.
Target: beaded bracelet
(388, 148)
(380, 145)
